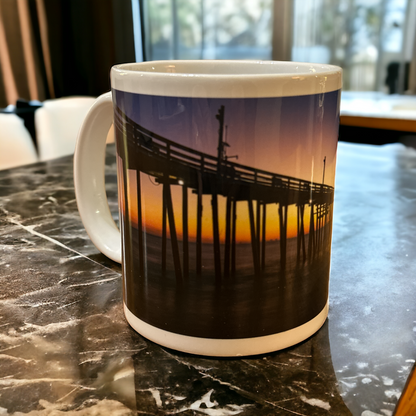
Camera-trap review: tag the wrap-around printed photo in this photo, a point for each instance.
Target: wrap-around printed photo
(226, 210)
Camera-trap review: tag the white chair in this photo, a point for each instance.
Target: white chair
(16, 144)
(57, 124)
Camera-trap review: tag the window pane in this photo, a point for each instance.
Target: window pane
(364, 37)
(208, 29)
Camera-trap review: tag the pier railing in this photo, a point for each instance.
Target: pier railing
(178, 154)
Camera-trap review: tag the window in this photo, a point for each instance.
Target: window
(372, 40)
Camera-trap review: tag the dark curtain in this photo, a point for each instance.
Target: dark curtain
(86, 39)
(70, 50)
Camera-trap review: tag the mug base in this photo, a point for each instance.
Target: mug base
(227, 347)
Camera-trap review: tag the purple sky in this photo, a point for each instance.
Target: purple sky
(285, 135)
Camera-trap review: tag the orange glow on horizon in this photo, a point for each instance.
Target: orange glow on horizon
(151, 202)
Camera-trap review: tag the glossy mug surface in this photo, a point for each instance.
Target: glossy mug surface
(226, 186)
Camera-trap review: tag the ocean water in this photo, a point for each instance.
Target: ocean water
(244, 305)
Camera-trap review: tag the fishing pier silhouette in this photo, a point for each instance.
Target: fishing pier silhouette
(172, 164)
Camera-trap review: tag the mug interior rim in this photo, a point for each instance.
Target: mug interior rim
(226, 68)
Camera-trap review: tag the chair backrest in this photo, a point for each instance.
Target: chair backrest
(57, 124)
(16, 145)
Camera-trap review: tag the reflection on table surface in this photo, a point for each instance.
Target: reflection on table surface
(65, 345)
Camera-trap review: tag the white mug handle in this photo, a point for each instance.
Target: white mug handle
(89, 182)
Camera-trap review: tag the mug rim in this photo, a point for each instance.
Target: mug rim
(225, 78)
(177, 68)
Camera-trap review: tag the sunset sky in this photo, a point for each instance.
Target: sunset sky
(289, 135)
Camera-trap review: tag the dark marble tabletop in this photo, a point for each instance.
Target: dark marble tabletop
(65, 347)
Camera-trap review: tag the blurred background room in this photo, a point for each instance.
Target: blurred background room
(55, 57)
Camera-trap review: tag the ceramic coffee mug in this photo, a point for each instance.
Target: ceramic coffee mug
(226, 187)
